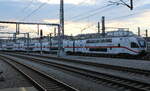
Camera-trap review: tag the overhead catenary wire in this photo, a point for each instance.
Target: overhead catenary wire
(38, 8)
(29, 4)
(89, 26)
(110, 19)
(24, 8)
(125, 16)
(113, 19)
(71, 8)
(97, 9)
(81, 16)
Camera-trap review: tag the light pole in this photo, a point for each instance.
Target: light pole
(41, 37)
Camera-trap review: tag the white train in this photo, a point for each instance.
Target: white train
(113, 45)
(116, 42)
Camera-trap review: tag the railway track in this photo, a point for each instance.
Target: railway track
(122, 56)
(105, 66)
(40, 80)
(114, 81)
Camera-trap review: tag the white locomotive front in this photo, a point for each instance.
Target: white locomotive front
(118, 42)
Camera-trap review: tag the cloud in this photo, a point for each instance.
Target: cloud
(141, 3)
(73, 28)
(75, 2)
(141, 20)
(132, 22)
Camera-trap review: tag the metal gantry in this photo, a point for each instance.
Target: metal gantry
(60, 47)
(14, 37)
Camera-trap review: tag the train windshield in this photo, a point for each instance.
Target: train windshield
(142, 43)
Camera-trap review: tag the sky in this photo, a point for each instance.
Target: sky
(81, 16)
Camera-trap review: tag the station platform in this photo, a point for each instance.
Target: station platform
(20, 89)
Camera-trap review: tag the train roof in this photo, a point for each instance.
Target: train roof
(119, 33)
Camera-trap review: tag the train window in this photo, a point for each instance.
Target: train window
(134, 45)
(110, 48)
(142, 43)
(98, 49)
(119, 45)
(54, 48)
(99, 41)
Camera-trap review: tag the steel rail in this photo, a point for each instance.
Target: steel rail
(41, 80)
(101, 65)
(117, 80)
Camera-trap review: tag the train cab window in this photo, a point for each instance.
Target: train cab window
(142, 43)
(134, 45)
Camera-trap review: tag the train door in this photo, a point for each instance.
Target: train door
(121, 45)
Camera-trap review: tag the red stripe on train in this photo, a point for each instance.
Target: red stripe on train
(106, 47)
(84, 47)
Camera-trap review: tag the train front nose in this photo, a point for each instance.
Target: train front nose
(143, 52)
